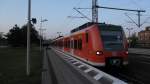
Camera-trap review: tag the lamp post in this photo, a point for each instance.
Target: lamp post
(41, 35)
(28, 39)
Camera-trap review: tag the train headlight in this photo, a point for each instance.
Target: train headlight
(99, 53)
(126, 52)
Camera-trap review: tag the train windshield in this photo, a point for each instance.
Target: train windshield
(112, 37)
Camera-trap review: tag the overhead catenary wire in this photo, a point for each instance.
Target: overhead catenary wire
(136, 4)
(82, 14)
(131, 19)
(147, 18)
(67, 22)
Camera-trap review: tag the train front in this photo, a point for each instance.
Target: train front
(114, 45)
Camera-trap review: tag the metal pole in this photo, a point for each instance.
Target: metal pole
(129, 39)
(94, 11)
(28, 39)
(1, 36)
(41, 38)
(129, 34)
(139, 19)
(129, 29)
(41, 34)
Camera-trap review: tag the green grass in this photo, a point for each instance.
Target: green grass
(13, 66)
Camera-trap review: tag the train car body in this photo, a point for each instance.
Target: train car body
(97, 44)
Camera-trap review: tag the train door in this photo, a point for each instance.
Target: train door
(72, 46)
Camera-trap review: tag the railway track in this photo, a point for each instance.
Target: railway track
(123, 74)
(137, 72)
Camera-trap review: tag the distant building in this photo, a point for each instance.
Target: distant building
(144, 37)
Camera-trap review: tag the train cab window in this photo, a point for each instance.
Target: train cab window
(75, 44)
(87, 37)
(112, 37)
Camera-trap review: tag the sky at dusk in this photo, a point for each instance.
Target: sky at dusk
(56, 11)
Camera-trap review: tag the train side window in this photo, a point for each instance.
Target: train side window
(71, 43)
(80, 44)
(58, 43)
(65, 44)
(68, 43)
(62, 43)
(75, 44)
(87, 37)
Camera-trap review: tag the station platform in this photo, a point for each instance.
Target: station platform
(57, 71)
(61, 68)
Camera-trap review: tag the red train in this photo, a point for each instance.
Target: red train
(98, 44)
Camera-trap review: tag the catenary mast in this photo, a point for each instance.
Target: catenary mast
(94, 11)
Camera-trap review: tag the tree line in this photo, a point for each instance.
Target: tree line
(17, 36)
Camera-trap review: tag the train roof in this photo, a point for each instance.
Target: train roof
(82, 27)
(103, 25)
(57, 38)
